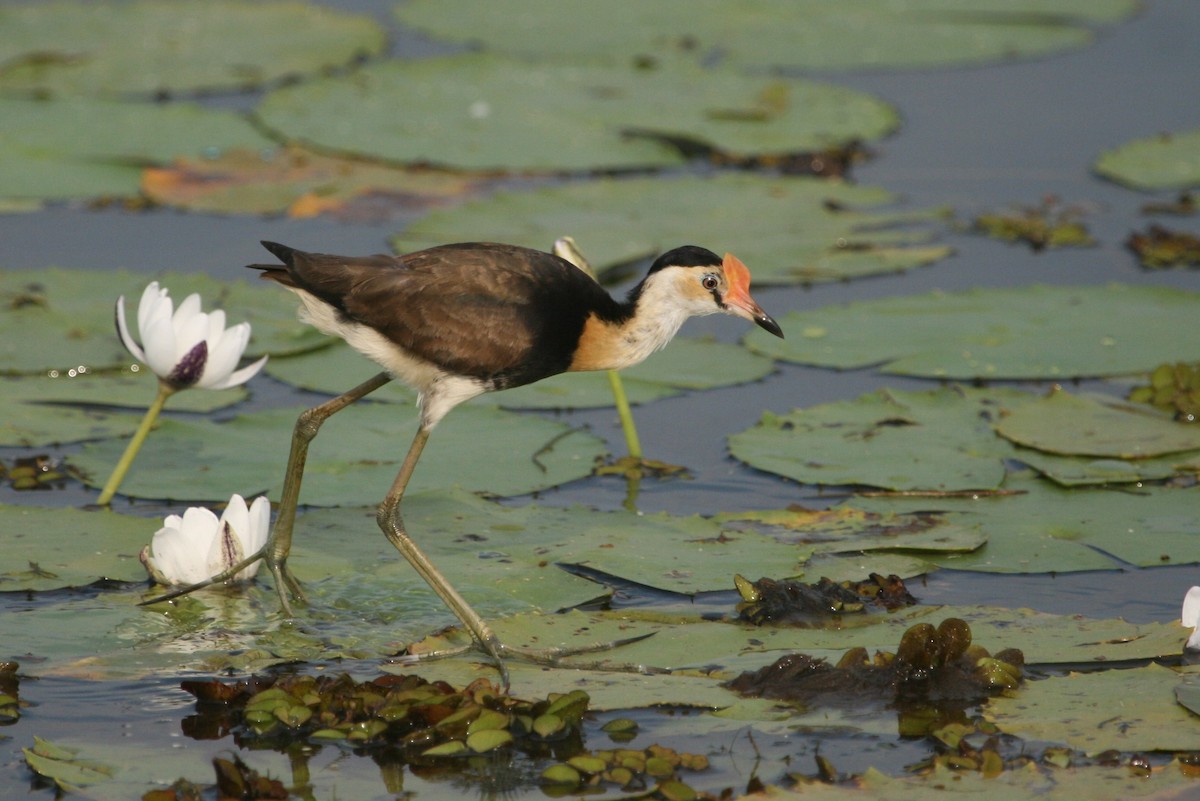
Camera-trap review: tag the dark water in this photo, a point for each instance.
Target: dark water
(973, 139)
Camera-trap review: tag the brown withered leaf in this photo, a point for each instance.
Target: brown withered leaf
(796, 602)
(300, 183)
(1158, 247)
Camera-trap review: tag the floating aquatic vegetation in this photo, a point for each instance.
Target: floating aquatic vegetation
(932, 666)
(39, 472)
(407, 716)
(1158, 247)
(1172, 388)
(10, 698)
(652, 771)
(795, 602)
(1046, 225)
(1183, 205)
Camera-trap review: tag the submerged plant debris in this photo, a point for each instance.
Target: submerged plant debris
(934, 671)
(235, 779)
(40, 472)
(407, 716)
(799, 603)
(10, 695)
(1046, 225)
(1158, 247)
(1173, 388)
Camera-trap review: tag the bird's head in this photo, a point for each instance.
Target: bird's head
(704, 283)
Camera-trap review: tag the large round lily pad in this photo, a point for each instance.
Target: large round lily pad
(43, 410)
(820, 35)
(353, 461)
(58, 319)
(84, 147)
(787, 230)
(483, 111)
(939, 439)
(1166, 161)
(72, 48)
(1045, 528)
(1034, 332)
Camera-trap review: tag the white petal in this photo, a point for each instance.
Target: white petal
(158, 338)
(180, 548)
(239, 377)
(188, 309)
(236, 515)
(123, 331)
(155, 302)
(1190, 616)
(260, 524)
(190, 331)
(226, 550)
(224, 351)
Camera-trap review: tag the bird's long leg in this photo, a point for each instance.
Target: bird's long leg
(390, 521)
(274, 552)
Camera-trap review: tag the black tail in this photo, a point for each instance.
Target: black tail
(277, 272)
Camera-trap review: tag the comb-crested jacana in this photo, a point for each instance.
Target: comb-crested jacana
(456, 321)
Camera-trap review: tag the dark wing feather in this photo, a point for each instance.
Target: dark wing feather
(501, 313)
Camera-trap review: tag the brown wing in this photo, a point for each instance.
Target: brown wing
(497, 312)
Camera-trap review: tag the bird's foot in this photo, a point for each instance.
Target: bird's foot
(286, 584)
(500, 653)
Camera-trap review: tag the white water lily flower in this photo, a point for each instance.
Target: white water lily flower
(187, 347)
(1191, 618)
(198, 546)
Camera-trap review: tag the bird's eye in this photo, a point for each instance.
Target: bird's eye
(710, 281)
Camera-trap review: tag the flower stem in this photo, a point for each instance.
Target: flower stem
(118, 474)
(631, 436)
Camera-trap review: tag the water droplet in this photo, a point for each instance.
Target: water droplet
(52, 373)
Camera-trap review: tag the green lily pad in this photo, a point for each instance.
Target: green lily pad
(1165, 161)
(294, 181)
(44, 410)
(1066, 424)
(684, 364)
(1128, 710)
(64, 766)
(688, 644)
(939, 439)
(84, 147)
(59, 319)
(1046, 528)
(1073, 471)
(788, 230)
(479, 448)
(494, 112)
(1034, 332)
(824, 35)
(74, 48)
(45, 549)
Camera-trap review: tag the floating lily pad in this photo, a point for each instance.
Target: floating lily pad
(826, 35)
(295, 182)
(479, 448)
(1073, 471)
(938, 439)
(483, 111)
(1033, 332)
(681, 644)
(684, 364)
(45, 549)
(73, 48)
(58, 319)
(1046, 528)
(1066, 424)
(40, 410)
(1166, 161)
(788, 230)
(83, 147)
(497, 549)
(1128, 710)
